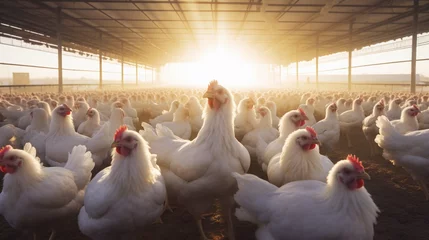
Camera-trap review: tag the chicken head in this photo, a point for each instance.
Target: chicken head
(124, 141)
(216, 95)
(9, 162)
(352, 173)
(413, 111)
(63, 110)
(307, 139)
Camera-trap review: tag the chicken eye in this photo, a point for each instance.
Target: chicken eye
(220, 91)
(304, 138)
(347, 171)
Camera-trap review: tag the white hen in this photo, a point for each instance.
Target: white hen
(328, 129)
(263, 131)
(180, 125)
(245, 121)
(290, 122)
(339, 209)
(370, 128)
(409, 151)
(352, 119)
(92, 123)
(133, 182)
(299, 160)
(408, 121)
(199, 171)
(34, 196)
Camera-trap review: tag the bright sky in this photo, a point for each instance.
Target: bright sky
(227, 64)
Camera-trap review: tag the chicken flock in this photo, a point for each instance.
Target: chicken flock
(88, 155)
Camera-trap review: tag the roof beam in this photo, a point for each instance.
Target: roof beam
(45, 6)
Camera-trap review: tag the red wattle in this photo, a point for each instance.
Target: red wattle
(360, 183)
(123, 151)
(210, 101)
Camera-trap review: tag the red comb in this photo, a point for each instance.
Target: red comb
(311, 131)
(302, 112)
(355, 161)
(4, 150)
(119, 132)
(334, 104)
(212, 84)
(88, 110)
(415, 106)
(382, 102)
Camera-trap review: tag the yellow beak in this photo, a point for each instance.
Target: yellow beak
(364, 175)
(208, 95)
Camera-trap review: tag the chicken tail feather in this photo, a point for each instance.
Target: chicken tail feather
(81, 164)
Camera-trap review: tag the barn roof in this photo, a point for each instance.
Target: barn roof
(160, 31)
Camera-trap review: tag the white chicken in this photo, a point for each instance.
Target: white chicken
(79, 115)
(310, 209)
(409, 151)
(133, 182)
(199, 171)
(395, 109)
(167, 116)
(273, 109)
(423, 119)
(309, 112)
(245, 121)
(370, 128)
(328, 129)
(34, 196)
(180, 125)
(290, 122)
(408, 121)
(368, 105)
(299, 160)
(341, 106)
(195, 114)
(62, 138)
(92, 123)
(352, 119)
(263, 130)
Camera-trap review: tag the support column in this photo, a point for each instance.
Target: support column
(349, 84)
(414, 46)
(122, 64)
(280, 73)
(60, 51)
(100, 62)
(137, 73)
(153, 73)
(317, 62)
(297, 67)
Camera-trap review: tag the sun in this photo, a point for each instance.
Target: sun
(226, 64)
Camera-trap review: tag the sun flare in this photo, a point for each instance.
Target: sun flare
(225, 63)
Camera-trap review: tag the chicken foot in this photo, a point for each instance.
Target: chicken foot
(200, 228)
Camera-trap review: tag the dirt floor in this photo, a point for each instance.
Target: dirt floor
(404, 211)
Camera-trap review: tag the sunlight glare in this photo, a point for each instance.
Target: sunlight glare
(224, 63)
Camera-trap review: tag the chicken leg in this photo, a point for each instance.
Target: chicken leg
(200, 228)
(423, 185)
(349, 142)
(227, 204)
(52, 235)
